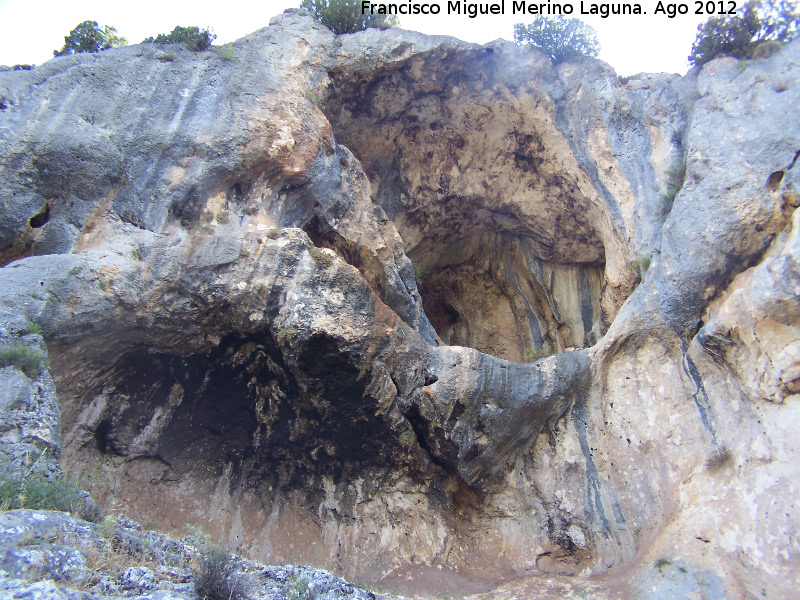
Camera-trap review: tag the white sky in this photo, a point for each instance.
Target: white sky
(31, 29)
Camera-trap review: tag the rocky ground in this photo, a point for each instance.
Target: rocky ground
(47, 555)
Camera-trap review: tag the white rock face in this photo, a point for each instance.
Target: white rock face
(218, 255)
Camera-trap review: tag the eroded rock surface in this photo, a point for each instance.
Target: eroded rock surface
(217, 253)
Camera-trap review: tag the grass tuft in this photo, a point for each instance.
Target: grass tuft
(286, 335)
(407, 438)
(226, 52)
(215, 574)
(34, 328)
(36, 492)
(30, 361)
(320, 256)
(644, 261)
(534, 354)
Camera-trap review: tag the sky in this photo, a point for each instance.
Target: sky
(31, 29)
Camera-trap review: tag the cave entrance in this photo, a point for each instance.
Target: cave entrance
(493, 293)
(507, 232)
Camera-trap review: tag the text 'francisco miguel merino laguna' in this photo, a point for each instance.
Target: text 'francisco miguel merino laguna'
(518, 7)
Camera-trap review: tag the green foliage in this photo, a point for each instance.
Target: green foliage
(137, 254)
(766, 49)
(320, 256)
(407, 438)
(165, 56)
(196, 39)
(405, 329)
(90, 37)
(300, 590)
(227, 52)
(32, 327)
(344, 16)
(534, 354)
(743, 35)
(223, 217)
(676, 175)
(558, 37)
(663, 562)
(286, 335)
(644, 261)
(316, 98)
(36, 492)
(30, 361)
(215, 575)
(417, 273)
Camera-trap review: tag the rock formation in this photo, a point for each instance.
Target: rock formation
(219, 254)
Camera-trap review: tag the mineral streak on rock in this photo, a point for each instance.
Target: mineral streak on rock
(219, 256)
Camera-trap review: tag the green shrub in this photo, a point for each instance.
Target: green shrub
(30, 361)
(227, 52)
(317, 99)
(300, 589)
(344, 16)
(32, 327)
(644, 261)
(223, 217)
(676, 176)
(286, 335)
(662, 562)
(215, 575)
(194, 38)
(534, 354)
(90, 37)
(165, 57)
(273, 234)
(775, 22)
(766, 49)
(36, 492)
(558, 37)
(407, 438)
(417, 273)
(320, 256)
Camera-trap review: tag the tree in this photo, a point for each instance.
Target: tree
(196, 39)
(760, 23)
(558, 37)
(344, 16)
(90, 37)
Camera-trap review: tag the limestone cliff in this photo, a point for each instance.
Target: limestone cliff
(219, 254)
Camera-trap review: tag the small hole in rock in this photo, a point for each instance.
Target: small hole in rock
(101, 436)
(774, 181)
(40, 218)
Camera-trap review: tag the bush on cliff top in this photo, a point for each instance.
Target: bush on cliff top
(344, 16)
(196, 39)
(558, 37)
(90, 37)
(757, 30)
